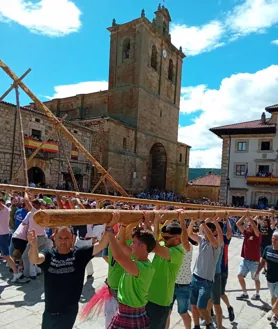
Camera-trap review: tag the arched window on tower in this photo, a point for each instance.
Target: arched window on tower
(154, 58)
(164, 28)
(171, 70)
(126, 49)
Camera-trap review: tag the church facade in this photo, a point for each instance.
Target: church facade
(135, 122)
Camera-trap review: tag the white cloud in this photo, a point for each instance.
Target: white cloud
(78, 88)
(253, 16)
(47, 17)
(250, 16)
(198, 39)
(240, 97)
(275, 42)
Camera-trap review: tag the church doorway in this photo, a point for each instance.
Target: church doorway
(36, 176)
(158, 166)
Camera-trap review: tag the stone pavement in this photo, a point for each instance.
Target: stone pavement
(21, 306)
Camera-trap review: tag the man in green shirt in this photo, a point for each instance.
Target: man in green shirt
(167, 262)
(135, 282)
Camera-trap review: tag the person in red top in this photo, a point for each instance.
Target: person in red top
(250, 254)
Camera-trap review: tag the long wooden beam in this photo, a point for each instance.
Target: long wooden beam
(91, 196)
(6, 93)
(58, 218)
(21, 139)
(63, 129)
(102, 178)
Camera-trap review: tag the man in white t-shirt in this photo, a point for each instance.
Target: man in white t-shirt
(31, 270)
(182, 292)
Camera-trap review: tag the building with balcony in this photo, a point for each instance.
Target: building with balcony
(49, 166)
(249, 169)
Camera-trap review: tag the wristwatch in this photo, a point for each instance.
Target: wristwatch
(110, 229)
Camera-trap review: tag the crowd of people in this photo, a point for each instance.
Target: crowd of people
(140, 290)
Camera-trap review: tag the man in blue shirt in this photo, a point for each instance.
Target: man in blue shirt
(20, 215)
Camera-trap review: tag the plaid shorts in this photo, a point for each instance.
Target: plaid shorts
(130, 318)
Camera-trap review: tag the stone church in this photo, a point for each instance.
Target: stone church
(135, 122)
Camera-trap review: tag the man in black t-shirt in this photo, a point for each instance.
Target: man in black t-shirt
(64, 270)
(270, 257)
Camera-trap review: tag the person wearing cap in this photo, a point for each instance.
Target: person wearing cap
(36, 204)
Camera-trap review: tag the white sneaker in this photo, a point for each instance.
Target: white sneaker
(273, 321)
(16, 276)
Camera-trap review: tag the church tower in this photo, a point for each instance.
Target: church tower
(145, 71)
(144, 93)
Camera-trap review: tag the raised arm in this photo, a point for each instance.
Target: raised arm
(254, 226)
(193, 236)
(122, 240)
(272, 223)
(34, 255)
(219, 231)
(229, 232)
(240, 224)
(28, 203)
(184, 234)
(119, 255)
(209, 234)
(159, 250)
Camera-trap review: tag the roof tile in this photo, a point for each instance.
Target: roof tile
(208, 180)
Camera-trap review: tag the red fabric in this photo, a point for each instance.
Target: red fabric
(95, 304)
(251, 246)
(130, 318)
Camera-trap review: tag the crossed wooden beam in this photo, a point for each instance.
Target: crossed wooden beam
(18, 83)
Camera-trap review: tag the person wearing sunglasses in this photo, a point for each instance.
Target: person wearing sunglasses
(167, 262)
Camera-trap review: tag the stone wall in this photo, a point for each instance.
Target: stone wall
(51, 167)
(198, 192)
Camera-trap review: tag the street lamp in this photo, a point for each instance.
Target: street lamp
(227, 189)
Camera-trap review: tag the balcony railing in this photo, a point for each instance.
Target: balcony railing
(253, 180)
(48, 151)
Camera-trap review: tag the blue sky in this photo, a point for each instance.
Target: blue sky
(230, 73)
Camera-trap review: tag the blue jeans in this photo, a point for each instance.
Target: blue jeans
(201, 291)
(182, 294)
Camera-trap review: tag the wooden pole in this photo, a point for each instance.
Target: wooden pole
(102, 178)
(22, 148)
(29, 160)
(58, 218)
(90, 196)
(68, 164)
(65, 131)
(14, 84)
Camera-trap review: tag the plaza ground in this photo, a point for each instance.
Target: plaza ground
(21, 306)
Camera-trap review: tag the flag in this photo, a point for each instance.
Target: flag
(246, 172)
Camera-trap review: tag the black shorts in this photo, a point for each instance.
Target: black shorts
(216, 289)
(19, 244)
(224, 278)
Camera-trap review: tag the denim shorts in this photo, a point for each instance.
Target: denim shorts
(182, 294)
(201, 291)
(4, 244)
(273, 288)
(247, 266)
